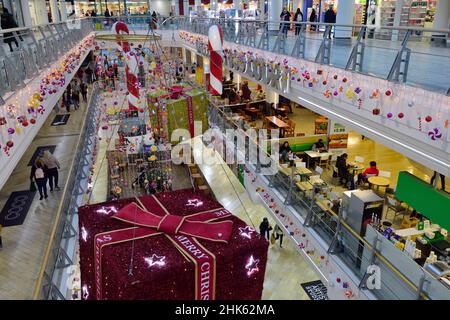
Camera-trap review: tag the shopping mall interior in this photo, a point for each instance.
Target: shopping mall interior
(263, 150)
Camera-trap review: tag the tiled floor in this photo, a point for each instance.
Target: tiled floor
(286, 269)
(24, 246)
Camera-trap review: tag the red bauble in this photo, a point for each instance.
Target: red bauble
(10, 144)
(25, 123)
(388, 92)
(344, 80)
(376, 111)
(324, 82)
(401, 115)
(141, 110)
(428, 118)
(335, 77)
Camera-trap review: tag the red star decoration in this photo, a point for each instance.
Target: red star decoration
(246, 232)
(252, 266)
(194, 202)
(155, 260)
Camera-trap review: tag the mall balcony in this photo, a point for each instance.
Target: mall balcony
(396, 92)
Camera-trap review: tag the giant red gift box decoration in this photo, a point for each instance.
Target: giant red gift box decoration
(175, 245)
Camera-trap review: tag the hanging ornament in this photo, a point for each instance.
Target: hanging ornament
(400, 115)
(435, 134)
(428, 118)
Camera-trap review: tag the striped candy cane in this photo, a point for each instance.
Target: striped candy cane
(215, 52)
(130, 67)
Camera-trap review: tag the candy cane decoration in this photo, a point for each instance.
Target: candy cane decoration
(215, 52)
(130, 67)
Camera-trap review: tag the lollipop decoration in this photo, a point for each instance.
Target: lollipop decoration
(435, 134)
(215, 51)
(130, 67)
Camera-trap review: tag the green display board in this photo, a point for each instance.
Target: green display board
(433, 204)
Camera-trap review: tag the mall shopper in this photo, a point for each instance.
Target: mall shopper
(286, 17)
(298, 17)
(442, 179)
(67, 101)
(278, 235)
(7, 22)
(246, 92)
(53, 166)
(330, 17)
(369, 172)
(313, 18)
(154, 20)
(344, 174)
(76, 98)
(107, 14)
(83, 89)
(39, 175)
(318, 146)
(264, 228)
(285, 151)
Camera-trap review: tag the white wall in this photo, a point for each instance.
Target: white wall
(160, 6)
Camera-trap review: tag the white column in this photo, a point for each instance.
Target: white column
(54, 11)
(397, 18)
(63, 10)
(442, 16)
(41, 15)
(26, 13)
(274, 11)
(344, 15)
(213, 5)
(271, 96)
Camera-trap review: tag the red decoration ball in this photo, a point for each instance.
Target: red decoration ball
(344, 80)
(324, 82)
(388, 92)
(141, 110)
(10, 144)
(25, 123)
(32, 121)
(428, 118)
(376, 111)
(335, 77)
(338, 280)
(401, 115)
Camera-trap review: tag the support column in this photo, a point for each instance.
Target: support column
(63, 10)
(26, 13)
(54, 11)
(345, 13)
(397, 18)
(271, 96)
(442, 17)
(274, 11)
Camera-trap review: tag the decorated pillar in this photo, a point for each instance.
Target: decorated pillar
(345, 13)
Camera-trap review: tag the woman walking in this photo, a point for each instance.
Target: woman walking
(83, 88)
(53, 166)
(264, 228)
(39, 175)
(278, 235)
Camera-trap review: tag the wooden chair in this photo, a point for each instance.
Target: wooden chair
(324, 161)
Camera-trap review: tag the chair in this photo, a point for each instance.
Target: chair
(359, 159)
(386, 174)
(324, 160)
(319, 170)
(395, 206)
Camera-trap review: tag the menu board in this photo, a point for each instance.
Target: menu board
(337, 136)
(321, 126)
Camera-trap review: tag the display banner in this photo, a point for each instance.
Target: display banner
(337, 137)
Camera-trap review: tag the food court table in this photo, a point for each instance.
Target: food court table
(316, 154)
(379, 181)
(278, 123)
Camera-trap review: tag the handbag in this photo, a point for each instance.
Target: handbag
(32, 186)
(272, 238)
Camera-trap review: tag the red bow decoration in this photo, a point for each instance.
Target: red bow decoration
(195, 225)
(183, 231)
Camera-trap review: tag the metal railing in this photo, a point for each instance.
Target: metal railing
(60, 250)
(26, 52)
(352, 249)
